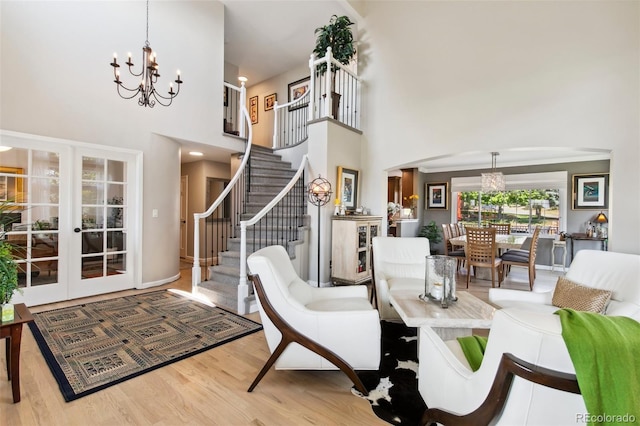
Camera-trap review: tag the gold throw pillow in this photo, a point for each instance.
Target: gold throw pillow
(569, 294)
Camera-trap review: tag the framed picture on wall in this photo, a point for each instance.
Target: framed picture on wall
(437, 196)
(297, 89)
(348, 180)
(590, 191)
(269, 101)
(253, 109)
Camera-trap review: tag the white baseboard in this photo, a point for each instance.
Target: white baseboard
(159, 282)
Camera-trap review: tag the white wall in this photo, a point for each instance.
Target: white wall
(450, 77)
(56, 81)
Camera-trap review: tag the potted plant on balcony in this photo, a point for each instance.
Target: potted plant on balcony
(338, 36)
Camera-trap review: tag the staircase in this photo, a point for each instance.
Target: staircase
(267, 176)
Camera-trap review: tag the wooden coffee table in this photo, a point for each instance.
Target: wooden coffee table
(457, 320)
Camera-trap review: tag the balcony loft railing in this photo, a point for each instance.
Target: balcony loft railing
(290, 122)
(234, 102)
(334, 93)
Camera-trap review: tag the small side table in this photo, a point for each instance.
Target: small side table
(584, 237)
(12, 331)
(562, 245)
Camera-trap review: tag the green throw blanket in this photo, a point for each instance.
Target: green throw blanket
(473, 348)
(605, 352)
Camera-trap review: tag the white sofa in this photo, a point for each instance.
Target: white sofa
(339, 318)
(618, 272)
(399, 264)
(447, 382)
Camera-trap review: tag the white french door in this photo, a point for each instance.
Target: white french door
(68, 213)
(101, 257)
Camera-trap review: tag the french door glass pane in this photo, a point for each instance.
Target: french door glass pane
(103, 191)
(30, 193)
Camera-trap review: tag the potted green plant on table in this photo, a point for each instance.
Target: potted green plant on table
(432, 233)
(8, 281)
(336, 35)
(8, 266)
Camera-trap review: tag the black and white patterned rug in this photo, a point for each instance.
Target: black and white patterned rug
(96, 345)
(393, 390)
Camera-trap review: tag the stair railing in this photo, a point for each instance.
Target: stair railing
(234, 101)
(238, 185)
(285, 211)
(336, 93)
(290, 122)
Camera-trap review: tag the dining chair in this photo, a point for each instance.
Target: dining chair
(501, 228)
(522, 257)
(449, 250)
(481, 252)
(461, 230)
(455, 232)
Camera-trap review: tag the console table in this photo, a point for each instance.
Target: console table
(12, 331)
(583, 237)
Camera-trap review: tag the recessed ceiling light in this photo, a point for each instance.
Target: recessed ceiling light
(196, 153)
(242, 79)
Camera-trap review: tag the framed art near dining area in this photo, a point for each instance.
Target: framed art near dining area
(437, 196)
(590, 191)
(348, 180)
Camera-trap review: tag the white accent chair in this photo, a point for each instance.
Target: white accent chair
(399, 264)
(618, 272)
(310, 328)
(456, 395)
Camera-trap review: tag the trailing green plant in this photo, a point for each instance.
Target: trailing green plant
(8, 273)
(338, 36)
(431, 232)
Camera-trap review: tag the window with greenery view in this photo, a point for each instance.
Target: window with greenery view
(523, 209)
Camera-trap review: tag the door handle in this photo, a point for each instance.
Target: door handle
(77, 230)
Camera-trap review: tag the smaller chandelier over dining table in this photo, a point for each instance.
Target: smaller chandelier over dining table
(149, 73)
(493, 181)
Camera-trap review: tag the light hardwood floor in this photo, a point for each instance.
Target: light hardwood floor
(206, 389)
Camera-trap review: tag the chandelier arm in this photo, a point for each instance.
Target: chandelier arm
(133, 73)
(171, 95)
(158, 98)
(133, 95)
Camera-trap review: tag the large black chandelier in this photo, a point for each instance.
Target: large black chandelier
(146, 89)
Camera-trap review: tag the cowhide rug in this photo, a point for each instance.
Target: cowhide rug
(393, 390)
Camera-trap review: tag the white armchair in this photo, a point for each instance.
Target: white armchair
(330, 328)
(447, 383)
(618, 272)
(398, 263)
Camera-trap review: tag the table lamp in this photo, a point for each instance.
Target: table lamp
(600, 219)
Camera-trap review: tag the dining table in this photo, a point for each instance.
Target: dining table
(503, 242)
